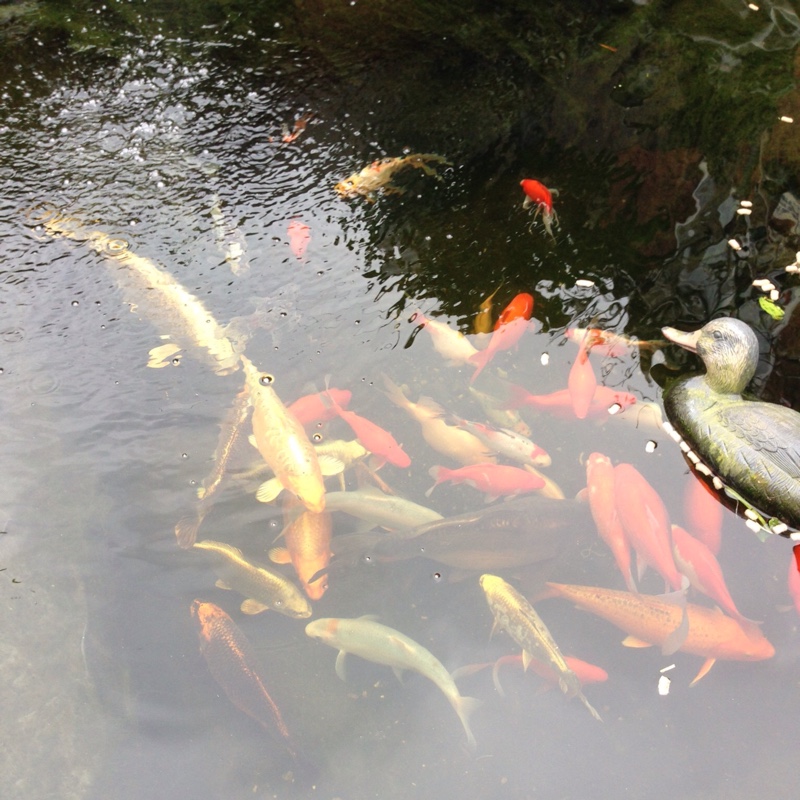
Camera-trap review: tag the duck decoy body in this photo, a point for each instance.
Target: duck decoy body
(751, 446)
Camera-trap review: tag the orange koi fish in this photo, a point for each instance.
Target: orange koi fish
(521, 307)
(538, 194)
(582, 383)
(492, 479)
(703, 512)
(308, 547)
(378, 441)
(702, 569)
(794, 577)
(559, 403)
(503, 338)
(299, 127)
(600, 488)
(646, 523)
(448, 343)
(232, 663)
(282, 442)
(607, 343)
(649, 620)
(313, 408)
(299, 237)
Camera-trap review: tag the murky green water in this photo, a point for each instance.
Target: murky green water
(166, 128)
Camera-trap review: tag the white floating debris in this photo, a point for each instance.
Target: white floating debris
(790, 120)
(780, 528)
(734, 245)
(667, 426)
(746, 203)
(774, 295)
(703, 469)
(667, 669)
(745, 212)
(753, 525)
(763, 283)
(685, 447)
(795, 536)
(752, 6)
(692, 456)
(675, 436)
(663, 685)
(650, 447)
(793, 268)
(750, 514)
(717, 483)
(614, 408)
(584, 282)
(545, 359)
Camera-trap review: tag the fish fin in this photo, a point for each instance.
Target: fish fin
(633, 641)
(186, 530)
(495, 626)
(709, 662)
(269, 490)
(588, 705)
(252, 439)
(464, 707)
(341, 665)
(429, 404)
(279, 555)
(467, 670)
(220, 584)
(370, 617)
(330, 465)
(398, 673)
(677, 638)
(526, 660)
(496, 677)
(159, 356)
(251, 606)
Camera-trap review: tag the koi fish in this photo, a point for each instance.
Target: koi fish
(158, 296)
(794, 577)
(581, 383)
(232, 663)
(299, 126)
(308, 548)
(229, 239)
(495, 410)
(449, 440)
(503, 338)
(702, 569)
(381, 644)
(483, 319)
(377, 440)
(507, 443)
(518, 618)
(378, 175)
(263, 588)
(521, 307)
(650, 620)
(645, 520)
(313, 408)
(604, 401)
(607, 343)
(448, 343)
(299, 237)
(377, 508)
(538, 194)
(282, 442)
(600, 489)
(494, 480)
(704, 512)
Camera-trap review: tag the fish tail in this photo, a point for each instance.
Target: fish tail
(186, 530)
(395, 393)
(464, 707)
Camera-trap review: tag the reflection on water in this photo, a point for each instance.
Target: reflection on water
(218, 169)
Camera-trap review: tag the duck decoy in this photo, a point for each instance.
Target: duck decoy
(748, 447)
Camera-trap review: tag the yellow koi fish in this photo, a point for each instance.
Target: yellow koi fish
(378, 175)
(518, 618)
(283, 442)
(383, 645)
(157, 295)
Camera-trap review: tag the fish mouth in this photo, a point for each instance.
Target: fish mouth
(686, 339)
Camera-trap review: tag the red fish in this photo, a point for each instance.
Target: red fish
(521, 307)
(650, 621)
(703, 512)
(538, 194)
(378, 441)
(503, 338)
(299, 237)
(794, 577)
(493, 479)
(646, 523)
(604, 401)
(233, 664)
(582, 383)
(600, 486)
(312, 408)
(702, 569)
(607, 343)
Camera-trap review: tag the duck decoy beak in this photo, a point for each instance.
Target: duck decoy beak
(685, 339)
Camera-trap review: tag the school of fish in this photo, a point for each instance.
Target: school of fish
(338, 503)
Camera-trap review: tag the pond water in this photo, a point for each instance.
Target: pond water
(211, 147)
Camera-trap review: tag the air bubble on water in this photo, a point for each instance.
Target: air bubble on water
(437, 576)
(75, 303)
(650, 446)
(266, 379)
(284, 314)
(317, 437)
(184, 455)
(175, 362)
(1, 370)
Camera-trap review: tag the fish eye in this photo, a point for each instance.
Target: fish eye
(278, 603)
(266, 379)
(317, 437)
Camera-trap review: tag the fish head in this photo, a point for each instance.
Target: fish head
(323, 629)
(295, 606)
(346, 187)
(205, 613)
(315, 589)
